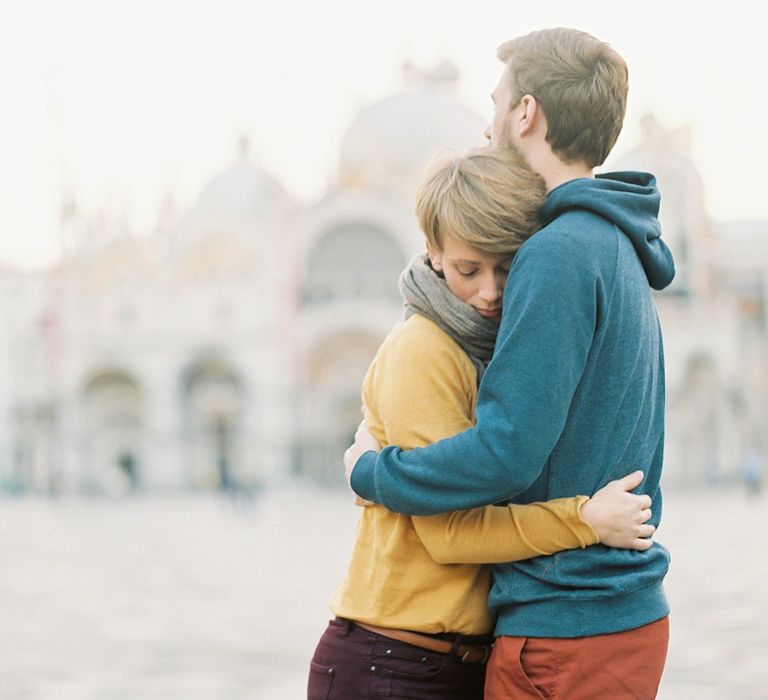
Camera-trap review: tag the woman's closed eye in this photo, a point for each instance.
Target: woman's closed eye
(467, 273)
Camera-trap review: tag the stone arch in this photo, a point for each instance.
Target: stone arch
(113, 405)
(697, 421)
(213, 400)
(330, 401)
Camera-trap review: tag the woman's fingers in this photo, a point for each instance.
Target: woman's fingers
(630, 481)
(642, 544)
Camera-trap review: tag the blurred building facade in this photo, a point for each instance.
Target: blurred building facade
(228, 347)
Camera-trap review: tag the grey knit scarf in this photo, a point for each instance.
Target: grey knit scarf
(426, 293)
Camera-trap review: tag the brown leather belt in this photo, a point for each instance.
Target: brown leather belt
(467, 654)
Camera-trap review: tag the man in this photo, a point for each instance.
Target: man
(574, 394)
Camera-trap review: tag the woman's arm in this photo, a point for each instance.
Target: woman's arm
(613, 516)
(423, 391)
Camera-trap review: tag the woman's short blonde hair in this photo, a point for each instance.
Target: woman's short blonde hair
(489, 199)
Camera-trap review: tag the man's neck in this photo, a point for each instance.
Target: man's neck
(559, 173)
(559, 176)
(554, 171)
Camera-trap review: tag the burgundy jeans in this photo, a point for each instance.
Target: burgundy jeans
(351, 663)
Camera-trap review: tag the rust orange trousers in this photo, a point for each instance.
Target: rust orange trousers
(621, 666)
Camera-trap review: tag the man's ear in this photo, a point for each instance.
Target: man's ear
(528, 116)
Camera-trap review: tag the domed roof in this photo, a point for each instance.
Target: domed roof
(243, 193)
(240, 209)
(391, 141)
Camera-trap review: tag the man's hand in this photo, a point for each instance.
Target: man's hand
(364, 442)
(618, 517)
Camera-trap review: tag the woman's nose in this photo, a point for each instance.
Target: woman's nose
(490, 290)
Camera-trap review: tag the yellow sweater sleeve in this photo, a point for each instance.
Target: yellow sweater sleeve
(494, 534)
(423, 389)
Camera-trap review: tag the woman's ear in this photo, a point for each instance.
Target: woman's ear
(435, 258)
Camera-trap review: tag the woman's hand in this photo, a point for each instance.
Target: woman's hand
(618, 517)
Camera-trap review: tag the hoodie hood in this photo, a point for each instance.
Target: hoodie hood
(630, 200)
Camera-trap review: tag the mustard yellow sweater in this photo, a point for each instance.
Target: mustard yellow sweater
(427, 573)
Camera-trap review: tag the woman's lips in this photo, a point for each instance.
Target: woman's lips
(488, 313)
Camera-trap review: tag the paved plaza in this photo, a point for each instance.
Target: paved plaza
(206, 598)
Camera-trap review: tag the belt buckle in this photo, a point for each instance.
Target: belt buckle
(486, 655)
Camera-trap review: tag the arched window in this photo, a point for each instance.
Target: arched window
(352, 261)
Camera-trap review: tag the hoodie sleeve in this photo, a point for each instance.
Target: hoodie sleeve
(549, 320)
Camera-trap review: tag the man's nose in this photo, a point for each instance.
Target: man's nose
(487, 132)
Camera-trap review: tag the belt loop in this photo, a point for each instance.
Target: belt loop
(455, 646)
(347, 625)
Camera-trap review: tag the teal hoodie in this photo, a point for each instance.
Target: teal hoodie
(572, 399)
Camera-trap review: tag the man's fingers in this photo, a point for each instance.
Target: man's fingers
(647, 531)
(645, 515)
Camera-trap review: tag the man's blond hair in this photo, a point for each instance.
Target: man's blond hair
(581, 85)
(488, 199)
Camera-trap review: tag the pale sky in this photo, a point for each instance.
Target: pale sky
(123, 102)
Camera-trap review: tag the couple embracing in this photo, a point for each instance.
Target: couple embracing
(505, 548)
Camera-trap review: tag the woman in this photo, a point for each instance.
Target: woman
(411, 616)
